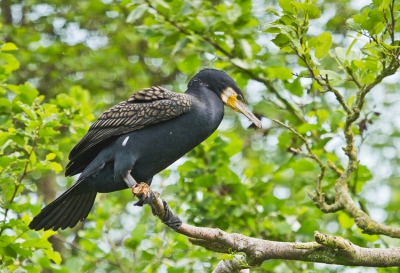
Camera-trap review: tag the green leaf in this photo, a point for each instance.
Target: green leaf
(302, 165)
(226, 257)
(359, 64)
(367, 79)
(53, 255)
(28, 110)
(27, 93)
(5, 102)
(190, 64)
(323, 114)
(179, 46)
(9, 47)
(12, 62)
(373, 64)
(333, 77)
(136, 13)
(376, 16)
(294, 87)
(235, 144)
(353, 25)
(306, 127)
(281, 40)
(282, 73)
(286, 6)
(241, 63)
(363, 175)
(345, 220)
(137, 236)
(50, 156)
(248, 51)
(324, 45)
(56, 167)
(36, 243)
(360, 18)
(310, 10)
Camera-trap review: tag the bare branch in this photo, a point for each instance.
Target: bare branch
(361, 219)
(251, 252)
(350, 72)
(334, 168)
(320, 202)
(305, 140)
(319, 197)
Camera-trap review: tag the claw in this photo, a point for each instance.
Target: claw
(141, 188)
(142, 201)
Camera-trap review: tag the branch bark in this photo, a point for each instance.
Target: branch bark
(248, 252)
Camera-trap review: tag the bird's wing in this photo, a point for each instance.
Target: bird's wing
(142, 109)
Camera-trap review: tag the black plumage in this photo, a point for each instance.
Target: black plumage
(139, 137)
(144, 108)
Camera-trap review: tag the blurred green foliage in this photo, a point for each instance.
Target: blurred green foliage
(64, 62)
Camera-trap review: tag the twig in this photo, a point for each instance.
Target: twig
(24, 173)
(350, 71)
(324, 81)
(310, 152)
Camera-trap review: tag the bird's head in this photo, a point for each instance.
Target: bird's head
(227, 89)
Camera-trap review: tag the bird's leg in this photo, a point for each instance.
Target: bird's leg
(125, 178)
(129, 180)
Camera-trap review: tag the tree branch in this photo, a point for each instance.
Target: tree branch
(343, 199)
(248, 252)
(319, 197)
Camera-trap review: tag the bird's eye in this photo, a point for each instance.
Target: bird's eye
(239, 97)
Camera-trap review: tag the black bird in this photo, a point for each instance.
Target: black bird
(139, 137)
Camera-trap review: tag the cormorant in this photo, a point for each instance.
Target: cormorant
(137, 138)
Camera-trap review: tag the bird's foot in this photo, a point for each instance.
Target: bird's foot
(145, 195)
(140, 189)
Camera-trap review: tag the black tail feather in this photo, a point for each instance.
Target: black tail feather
(78, 210)
(72, 206)
(88, 206)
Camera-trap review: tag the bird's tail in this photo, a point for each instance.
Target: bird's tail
(72, 206)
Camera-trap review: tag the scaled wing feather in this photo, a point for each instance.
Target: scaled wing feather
(144, 108)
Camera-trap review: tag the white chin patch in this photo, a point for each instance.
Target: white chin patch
(125, 141)
(226, 93)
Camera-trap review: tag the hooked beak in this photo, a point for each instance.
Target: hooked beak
(242, 108)
(230, 98)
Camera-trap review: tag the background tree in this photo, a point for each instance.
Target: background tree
(322, 69)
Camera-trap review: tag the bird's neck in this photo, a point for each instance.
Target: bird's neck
(207, 104)
(203, 94)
